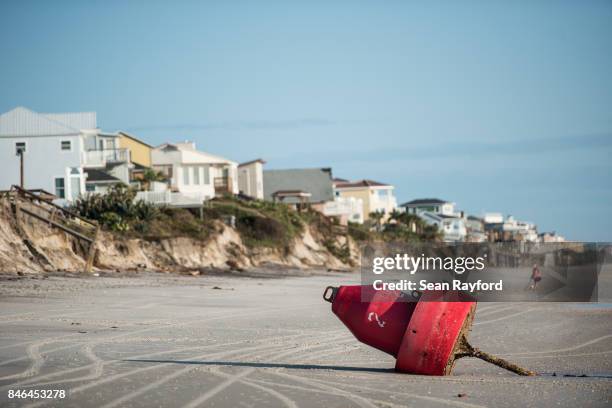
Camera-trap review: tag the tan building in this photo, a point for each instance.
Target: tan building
(140, 151)
(374, 195)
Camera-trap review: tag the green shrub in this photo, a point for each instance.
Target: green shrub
(359, 232)
(177, 222)
(343, 252)
(116, 210)
(259, 223)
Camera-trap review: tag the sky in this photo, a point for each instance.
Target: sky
(498, 106)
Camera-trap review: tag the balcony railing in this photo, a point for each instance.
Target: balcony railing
(346, 208)
(172, 199)
(102, 157)
(223, 185)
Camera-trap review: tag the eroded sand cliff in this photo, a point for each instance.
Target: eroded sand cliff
(28, 246)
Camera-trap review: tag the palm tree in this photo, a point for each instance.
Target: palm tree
(377, 217)
(151, 175)
(395, 214)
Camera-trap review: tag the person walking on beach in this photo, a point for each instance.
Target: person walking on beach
(536, 276)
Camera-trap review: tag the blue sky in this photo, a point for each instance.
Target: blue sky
(498, 106)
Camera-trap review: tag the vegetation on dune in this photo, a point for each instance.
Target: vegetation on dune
(116, 210)
(119, 212)
(260, 223)
(400, 227)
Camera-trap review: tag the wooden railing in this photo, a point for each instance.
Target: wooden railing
(223, 184)
(44, 210)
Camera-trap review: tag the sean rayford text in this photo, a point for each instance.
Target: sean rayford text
(455, 284)
(412, 264)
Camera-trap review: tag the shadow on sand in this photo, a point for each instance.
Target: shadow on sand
(270, 365)
(328, 367)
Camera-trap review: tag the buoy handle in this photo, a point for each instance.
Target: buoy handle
(330, 293)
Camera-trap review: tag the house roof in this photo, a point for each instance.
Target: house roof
(188, 149)
(25, 122)
(361, 183)
(251, 162)
(316, 181)
(422, 201)
(99, 176)
(340, 180)
(75, 120)
(125, 134)
(140, 167)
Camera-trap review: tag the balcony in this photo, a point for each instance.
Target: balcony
(348, 208)
(172, 199)
(100, 158)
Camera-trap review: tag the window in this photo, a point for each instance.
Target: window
(75, 187)
(90, 188)
(196, 175)
(206, 175)
(20, 147)
(60, 190)
(66, 145)
(186, 176)
(381, 194)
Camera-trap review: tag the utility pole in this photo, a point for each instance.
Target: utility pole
(20, 152)
(21, 169)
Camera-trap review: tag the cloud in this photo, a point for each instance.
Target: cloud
(248, 125)
(460, 149)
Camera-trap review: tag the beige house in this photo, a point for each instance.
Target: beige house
(375, 196)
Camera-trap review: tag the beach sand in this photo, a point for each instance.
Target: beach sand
(164, 340)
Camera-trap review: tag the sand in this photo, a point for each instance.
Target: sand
(228, 341)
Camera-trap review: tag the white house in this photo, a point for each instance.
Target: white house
(432, 205)
(475, 229)
(347, 209)
(548, 237)
(527, 230)
(510, 228)
(195, 174)
(58, 149)
(453, 227)
(493, 218)
(442, 214)
(250, 179)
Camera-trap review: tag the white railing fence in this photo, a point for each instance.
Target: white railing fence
(171, 199)
(101, 157)
(350, 207)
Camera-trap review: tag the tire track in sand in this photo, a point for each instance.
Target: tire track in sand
(125, 334)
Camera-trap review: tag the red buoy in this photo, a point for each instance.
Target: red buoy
(380, 323)
(426, 337)
(432, 336)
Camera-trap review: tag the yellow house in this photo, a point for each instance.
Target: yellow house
(374, 195)
(140, 152)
